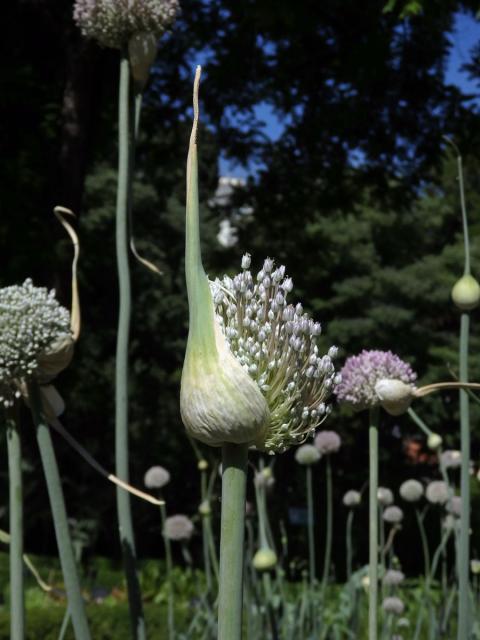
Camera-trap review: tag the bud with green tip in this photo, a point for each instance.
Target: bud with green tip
(466, 293)
(434, 441)
(265, 559)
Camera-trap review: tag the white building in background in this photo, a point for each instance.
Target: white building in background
(227, 235)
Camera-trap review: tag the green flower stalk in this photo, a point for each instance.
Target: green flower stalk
(252, 376)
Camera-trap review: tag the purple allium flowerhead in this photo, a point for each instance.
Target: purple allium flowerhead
(112, 22)
(393, 578)
(393, 605)
(178, 527)
(327, 442)
(361, 373)
(156, 477)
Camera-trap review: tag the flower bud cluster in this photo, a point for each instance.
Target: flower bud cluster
(361, 373)
(112, 22)
(31, 320)
(275, 342)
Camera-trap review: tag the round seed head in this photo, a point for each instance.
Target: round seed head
(393, 515)
(352, 499)
(112, 22)
(361, 373)
(393, 605)
(384, 496)
(393, 578)
(156, 477)
(437, 492)
(327, 442)
(307, 454)
(178, 527)
(36, 337)
(411, 490)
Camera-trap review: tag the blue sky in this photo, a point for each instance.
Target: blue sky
(464, 36)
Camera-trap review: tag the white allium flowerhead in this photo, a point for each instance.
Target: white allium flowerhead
(451, 459)
(393, 578)
(352, 499)
(31, 322)
(360, 375)
(393, 605)
(156, 477)
(112, 22)
(384, 496)
(307, 454)
(178, 527)
(327, 442)
(393, 515)
(454, 506)
(411, 490)
(276, 343)
(264, 478)
(437, 492)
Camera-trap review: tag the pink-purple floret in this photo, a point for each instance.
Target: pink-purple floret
(361, 373)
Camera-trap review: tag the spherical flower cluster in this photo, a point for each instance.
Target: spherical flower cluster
(384, 496)
(393, 605)
(411, 490)
(178, 527)
(275, 342)
(437, 492)
(307, 454)
(352, 499)
(113, 22)
(360, 375)
(393, 578)
(156, 477)
(454, 506)
(31, 321)
(393, 515)
(451, 459)
(264, 478)
(327, 442)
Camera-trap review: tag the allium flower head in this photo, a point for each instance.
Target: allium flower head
(393, 605)
(31, 322)
(327, 442)
(264, 478)
(393, 515)
(156, 477)
(384, 496)
(178, 527)
(112, 22)
(352, 499)
(451, 459)
(252, 373)
(307, 454)
(360, 375)
(437, 492)
(411, 490)
(454, 506)
(393, 578)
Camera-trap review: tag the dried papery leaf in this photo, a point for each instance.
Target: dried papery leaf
(5, 538)
(60, 213)
(146, 263)
(438, 386)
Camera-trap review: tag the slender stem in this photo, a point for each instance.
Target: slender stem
(423, 536)
(205, 546)
(328, 540)
(419, 422)
(168, 561)
(464, 626)
(310, 520)
(230, 596)
(349, 543)
(17, 597)
(127, 540)
(373, 526)
(57, 503)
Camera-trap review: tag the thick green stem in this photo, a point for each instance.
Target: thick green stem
(328, 540)
(373, 526)
(310, 525)
(127, 540)
(60, 522)
(464, 626)
(232, 533)
(17, 598)
(169, 564)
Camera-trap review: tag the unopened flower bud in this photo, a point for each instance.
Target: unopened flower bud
(142, 50)
(265, 559)
(466, 293)
(434, 441)
(475, 566)
(202, 465)
(204, 508)
(395, 396)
